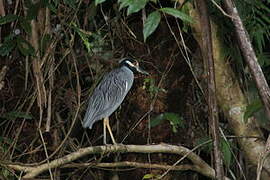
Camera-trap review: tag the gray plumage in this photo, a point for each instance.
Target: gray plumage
(108, 95)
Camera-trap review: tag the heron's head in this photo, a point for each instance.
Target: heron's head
(133, 65)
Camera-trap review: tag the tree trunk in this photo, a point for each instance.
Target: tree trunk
(233, 102)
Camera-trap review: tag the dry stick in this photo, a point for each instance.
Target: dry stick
(207, 51)
(46, 152)
(249, 56)
(3, 73)
(126, 164)
(37, 69)
(198, 164)
(2, 9)
(49, 109)
(47, 30)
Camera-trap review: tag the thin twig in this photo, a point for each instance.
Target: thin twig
(46, 152)
(221, 10)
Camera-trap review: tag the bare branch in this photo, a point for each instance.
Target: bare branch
(199, 165)
(249, 55)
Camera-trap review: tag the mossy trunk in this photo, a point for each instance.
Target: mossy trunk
(232, 101)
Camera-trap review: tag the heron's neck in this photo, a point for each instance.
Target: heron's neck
(132, 70)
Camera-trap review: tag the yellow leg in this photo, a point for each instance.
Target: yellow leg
(106, 122)
(104, 132)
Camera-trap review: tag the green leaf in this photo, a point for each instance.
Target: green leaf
(25, 25)
(136, 6)
(7, 47)
(16, 114)
(99, 2)
(252, 108)
(149, 84)
(133, 5)
(175, 120)
(8, 18)
(151, 23)
(148, 176)
(84, 37)
(225, 147)
(178, 14)
(25, 47)
(226, 151)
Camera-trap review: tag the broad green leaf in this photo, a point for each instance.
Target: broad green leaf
(99, 2)
(148, 176)
(226, 151)
(16, 114)
(225, 147)
(136, 6)
(151, 23)
(252, 108)
(25, 47)
(133, 5)
(8, 18)
(178, 14)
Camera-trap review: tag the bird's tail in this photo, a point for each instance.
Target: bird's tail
(87, 123)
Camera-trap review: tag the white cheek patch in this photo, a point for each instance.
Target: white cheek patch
(130, 64)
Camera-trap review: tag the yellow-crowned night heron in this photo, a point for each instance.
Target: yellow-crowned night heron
(110, 93)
